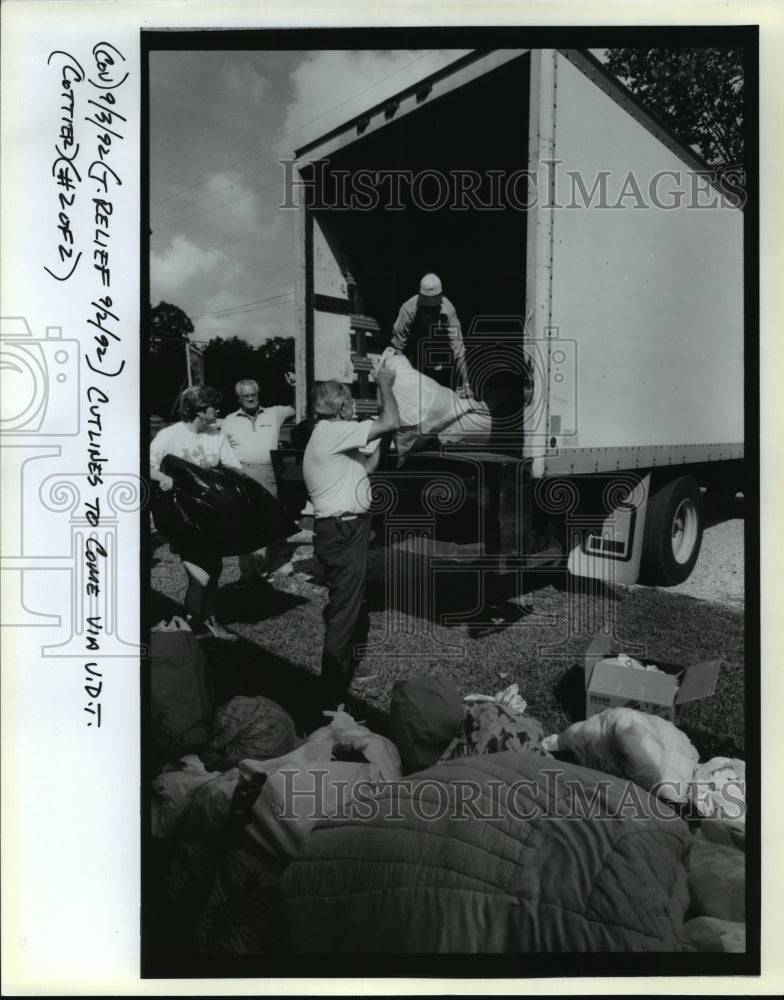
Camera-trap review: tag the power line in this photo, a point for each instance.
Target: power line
(268, 305)
(245, 306)
(236, 298)
(241, 312)
(282, 137)
(209, 194)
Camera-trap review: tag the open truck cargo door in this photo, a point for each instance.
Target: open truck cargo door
(573, 230)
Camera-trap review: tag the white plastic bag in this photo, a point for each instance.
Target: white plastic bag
(177, 624)
(711, 935)
(425, 407)
(307, 785)
(173, 790)
(719, 790)
(421, 401)
(647, 749)
(380, 751)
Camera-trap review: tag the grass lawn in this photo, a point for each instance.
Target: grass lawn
(435, 613)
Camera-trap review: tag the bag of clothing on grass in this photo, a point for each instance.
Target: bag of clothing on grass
(487, 854)
(309, 784)
(230, 511)
(173, 790)
(249, 727)
(182, 704)
(201, 840)
(718, 789)
(425, 714)
(243, 913)
(717, 879)
(494, 723)
(709, 934)
(647, 749)
(214, 824)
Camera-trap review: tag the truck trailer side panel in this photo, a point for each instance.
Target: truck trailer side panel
(577, 234)
(646, 300)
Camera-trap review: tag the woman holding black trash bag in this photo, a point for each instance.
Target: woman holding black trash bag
(196, 439)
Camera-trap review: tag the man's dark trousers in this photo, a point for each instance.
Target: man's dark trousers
(342, 549)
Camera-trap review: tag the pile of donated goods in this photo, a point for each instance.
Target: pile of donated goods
(466, 830)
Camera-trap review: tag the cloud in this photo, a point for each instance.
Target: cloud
(235, 206)
(182, 263)
(234, 287)
(277, 320)
(243, 289)
(333, 86)
(241, 79)
(225, 204)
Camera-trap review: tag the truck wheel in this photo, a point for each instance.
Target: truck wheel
(673, 533)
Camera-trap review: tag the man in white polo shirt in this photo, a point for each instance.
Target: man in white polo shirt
(253, 432)
(336, 477)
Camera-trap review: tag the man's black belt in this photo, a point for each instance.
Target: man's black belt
(343, 517)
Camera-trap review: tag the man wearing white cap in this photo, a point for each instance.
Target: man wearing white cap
(422, 321)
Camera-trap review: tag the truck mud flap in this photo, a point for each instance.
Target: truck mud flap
(608, 545)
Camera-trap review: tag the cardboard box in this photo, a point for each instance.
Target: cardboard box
(609, 684)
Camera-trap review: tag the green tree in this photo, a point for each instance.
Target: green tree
(168, 328)
(697, 92)
(274, 360)
(229, 359)
(226, 360)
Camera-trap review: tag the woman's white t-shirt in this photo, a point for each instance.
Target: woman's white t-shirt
(206, 448)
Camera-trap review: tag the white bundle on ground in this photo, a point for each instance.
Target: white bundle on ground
(173, 790)
(719, 789)
(647, 749)
(308, 784)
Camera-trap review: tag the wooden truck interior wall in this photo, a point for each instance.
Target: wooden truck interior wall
(478, 254)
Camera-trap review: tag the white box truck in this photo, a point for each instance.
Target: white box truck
(596, 266)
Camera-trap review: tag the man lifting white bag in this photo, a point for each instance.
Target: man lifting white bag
(427, 409)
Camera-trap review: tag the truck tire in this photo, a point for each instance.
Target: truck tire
(673, 533)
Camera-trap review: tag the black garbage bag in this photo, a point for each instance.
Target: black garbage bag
(220, 507)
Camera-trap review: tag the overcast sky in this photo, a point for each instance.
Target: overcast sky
(220, 248)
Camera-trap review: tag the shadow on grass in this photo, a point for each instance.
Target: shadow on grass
(466, 593)
(254, 604)
(247, 668)
(569, 692)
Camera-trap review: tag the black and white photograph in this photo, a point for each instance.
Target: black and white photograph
(446, 386)
(386, 416)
